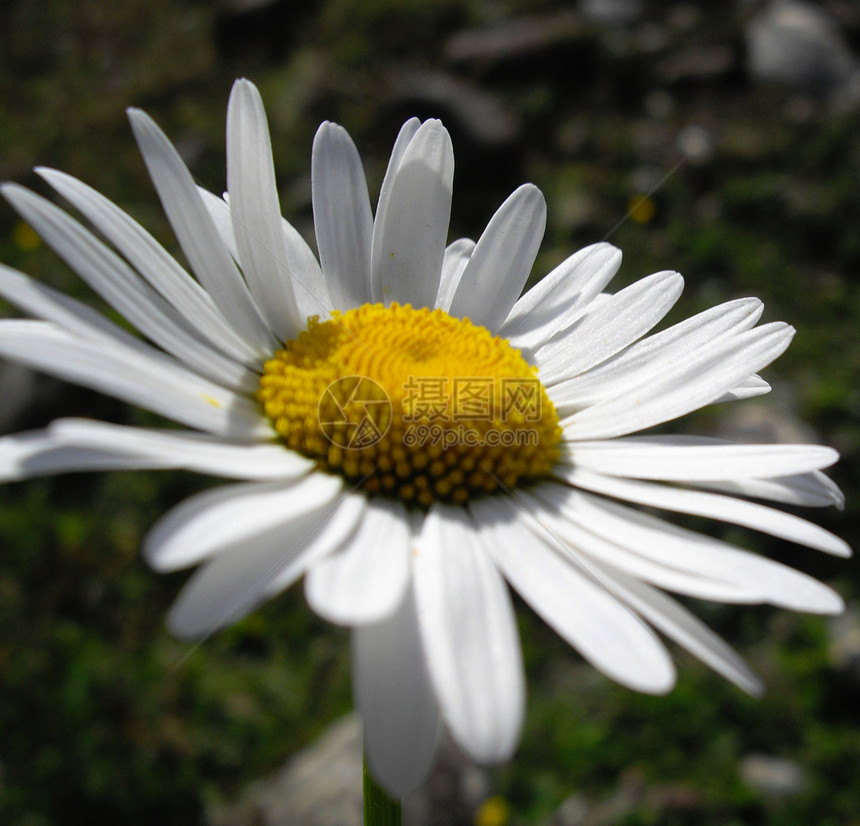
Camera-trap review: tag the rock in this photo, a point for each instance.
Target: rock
(451, 794)
(698, 64)
(17, 385)
(319, 786)
(515, 41)
(661, 803)
(768, 419)
(798, 44)
(695, 143)
(627, 797)
(572, 812)
(243, 6)
(322, 786)
(477, 116)
(611, 12)
(776, 777)
(844, 632)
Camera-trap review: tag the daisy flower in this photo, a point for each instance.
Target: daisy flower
(408, 433)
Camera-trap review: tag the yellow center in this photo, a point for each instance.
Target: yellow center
(413, 404)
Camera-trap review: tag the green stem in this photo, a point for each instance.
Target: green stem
(380, 809)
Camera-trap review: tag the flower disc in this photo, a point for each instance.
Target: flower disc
(411, 403)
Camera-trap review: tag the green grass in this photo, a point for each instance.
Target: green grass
(103, 715)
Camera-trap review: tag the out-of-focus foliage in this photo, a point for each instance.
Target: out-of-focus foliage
(752, 189)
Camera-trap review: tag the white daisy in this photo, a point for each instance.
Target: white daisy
(408, 542)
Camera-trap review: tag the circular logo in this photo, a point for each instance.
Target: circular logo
(354, 412)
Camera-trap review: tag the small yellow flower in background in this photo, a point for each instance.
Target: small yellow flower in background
(25, 238)
(494, 811)
(642, 209)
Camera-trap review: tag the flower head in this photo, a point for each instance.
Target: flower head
(409, 434)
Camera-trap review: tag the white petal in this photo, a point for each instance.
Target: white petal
(656, 458)
(503, 257)
(412, 224)
(470, 637)
(105, 357)
(811, 490)
(457, 256)
(256, 211)
(197, 235)
(697, 331)
(586, 536)
(747, 389)
(560, 297)
(393, 693)
(404, 138)
(312, 296)
(181, 449)
(681, 384)
(711, 505)
(636, 365)
(672, 619)
(337, 524)
(610, 327)
(37, 453)
(153, 262)
(140, 376)
(342, 217)
(732, 574)
(211, 522)
(561, 590)
(75, 445)
(123, 289)
(236, 581)
(219, 211)
(44, 302)
(366, 579)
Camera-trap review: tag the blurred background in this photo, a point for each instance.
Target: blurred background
(720, 140)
